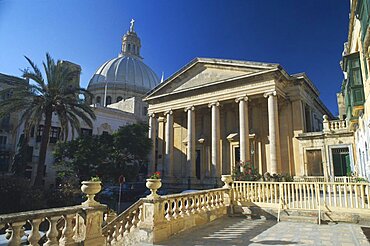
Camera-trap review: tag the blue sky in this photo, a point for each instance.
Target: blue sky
(302, 36)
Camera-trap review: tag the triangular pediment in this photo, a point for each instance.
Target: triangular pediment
(204, 72)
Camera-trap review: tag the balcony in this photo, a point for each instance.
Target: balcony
(334, 125)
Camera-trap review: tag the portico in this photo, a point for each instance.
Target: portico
(212, 107)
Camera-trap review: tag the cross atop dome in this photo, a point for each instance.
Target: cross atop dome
(132, 22)
(131, 42)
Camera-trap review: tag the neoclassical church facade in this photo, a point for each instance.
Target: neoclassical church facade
(213, 113)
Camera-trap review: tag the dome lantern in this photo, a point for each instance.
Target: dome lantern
(131, 42)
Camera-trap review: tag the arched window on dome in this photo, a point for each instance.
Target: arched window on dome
(109, 100)
(119, 98)
(98, 100)
(128, 47)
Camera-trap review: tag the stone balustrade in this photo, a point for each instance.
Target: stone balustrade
(156, 218)
(181, 205)
(339, 179)
(61, 226)
(334, 125)
(304, 195)
(121, 226)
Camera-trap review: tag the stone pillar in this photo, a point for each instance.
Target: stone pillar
(161, 140)
(168, 168)
(325, 123)
(243, 130)
(190, 157)
(273, 135)
(93, 217)
(215, 143)
(153, 137)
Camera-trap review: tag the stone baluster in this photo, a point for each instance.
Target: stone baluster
(67, 232)
(16, 233)
(34, 236)
(52, 233)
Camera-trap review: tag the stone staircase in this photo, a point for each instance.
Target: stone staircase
(255, 212)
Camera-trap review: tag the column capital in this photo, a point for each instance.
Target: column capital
(192, 108)
(152, 115)
(211, 104)
(242, 98)
(269, 93)
(168, 112)
(161, 119)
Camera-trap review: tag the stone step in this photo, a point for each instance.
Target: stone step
(298, 218)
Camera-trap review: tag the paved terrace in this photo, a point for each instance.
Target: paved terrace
(241, 231)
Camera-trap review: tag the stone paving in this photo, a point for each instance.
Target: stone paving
(241, 231)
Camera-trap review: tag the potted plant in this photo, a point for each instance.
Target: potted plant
(153, 183)
(91, 188)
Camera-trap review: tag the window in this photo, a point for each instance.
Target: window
(86, 132)
(356, 72)
(128, 47)
(119, 98)
(109, 100)
(40, 129)
(105, 133)
(54, 134)
(3, 140)
(4, 162)
(98, 100)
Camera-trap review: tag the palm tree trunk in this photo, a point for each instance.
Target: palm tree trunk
(43, 149)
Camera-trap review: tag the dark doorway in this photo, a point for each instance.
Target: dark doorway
(197, 163)
(341, 162)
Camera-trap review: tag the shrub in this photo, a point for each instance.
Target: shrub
(249, 173)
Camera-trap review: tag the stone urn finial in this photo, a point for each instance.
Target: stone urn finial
(91, 188)
(153, 185)
(228, 180)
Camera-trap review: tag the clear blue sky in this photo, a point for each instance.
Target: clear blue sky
(302, 36)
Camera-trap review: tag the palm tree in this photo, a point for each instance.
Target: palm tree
(57, 93)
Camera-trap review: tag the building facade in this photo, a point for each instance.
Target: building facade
(214, 113)
(356, 84)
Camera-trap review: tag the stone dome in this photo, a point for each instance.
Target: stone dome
(125, 72)
(124, 76)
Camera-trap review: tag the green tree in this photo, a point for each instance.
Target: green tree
(38, 97)
(108, 156)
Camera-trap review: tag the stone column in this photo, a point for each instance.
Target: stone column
(272, 116)
(153, 137)
(168, 169)
(190, 157)
(215, 143)
(243, 130)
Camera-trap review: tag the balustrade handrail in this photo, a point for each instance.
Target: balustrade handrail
(36, 214)
(308, 182)
(193, 193)
(304, 195)
(124, 214)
